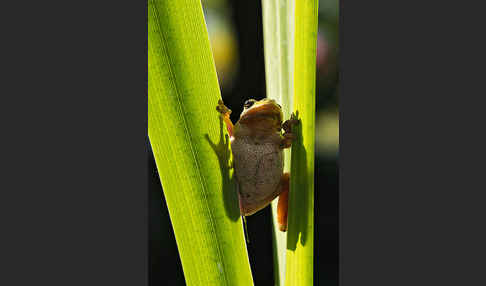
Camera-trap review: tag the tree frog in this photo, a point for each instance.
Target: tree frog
(257, 145)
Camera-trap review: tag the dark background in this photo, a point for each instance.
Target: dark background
(235, 30)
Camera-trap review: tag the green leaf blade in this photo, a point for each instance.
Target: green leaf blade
(190, 148)
(300, 237)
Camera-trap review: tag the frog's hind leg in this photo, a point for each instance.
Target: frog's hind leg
(225, 114)
(283, 202)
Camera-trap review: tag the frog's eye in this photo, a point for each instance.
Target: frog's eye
(279, 106)
(249, 103)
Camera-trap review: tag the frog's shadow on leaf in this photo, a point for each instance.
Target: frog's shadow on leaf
(223, 152)
(302, 189)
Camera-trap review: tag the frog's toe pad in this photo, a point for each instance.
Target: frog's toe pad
(221, 108)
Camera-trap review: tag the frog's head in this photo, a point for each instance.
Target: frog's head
(265, 110)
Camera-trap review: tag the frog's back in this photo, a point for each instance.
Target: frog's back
(258, 170)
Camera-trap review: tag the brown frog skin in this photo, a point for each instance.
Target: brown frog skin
(257, 143)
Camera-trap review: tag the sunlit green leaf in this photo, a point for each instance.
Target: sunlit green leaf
(300, 237)
(290, 39)
(191, 147)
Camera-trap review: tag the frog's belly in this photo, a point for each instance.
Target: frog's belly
(258, 170)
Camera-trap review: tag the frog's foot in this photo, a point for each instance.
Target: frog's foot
(288, 136)
(287, 140)
(287, 125)
(225, 114)
(221, 108)
(283, 202)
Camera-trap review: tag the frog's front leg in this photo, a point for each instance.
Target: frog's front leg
(225, 114)
(288, 136)
(283, 202)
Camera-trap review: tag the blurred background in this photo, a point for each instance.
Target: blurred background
(236, 36)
